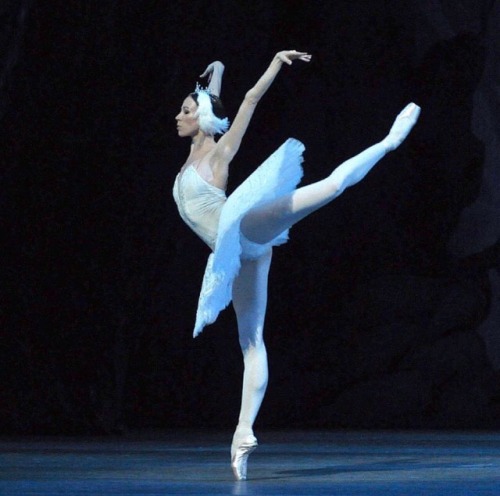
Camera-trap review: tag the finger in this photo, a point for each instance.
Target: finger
(208, 70)
(285, 59)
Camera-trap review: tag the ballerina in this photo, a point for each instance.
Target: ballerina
(242, 229)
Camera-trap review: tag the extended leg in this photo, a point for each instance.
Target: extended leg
(268, 221)
(249, 301)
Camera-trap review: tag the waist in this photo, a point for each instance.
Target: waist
(200, 211)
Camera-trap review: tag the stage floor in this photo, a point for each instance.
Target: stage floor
(286, 463)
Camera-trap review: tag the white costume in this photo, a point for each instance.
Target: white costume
(216, 220)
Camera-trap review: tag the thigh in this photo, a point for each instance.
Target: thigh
(250, 298)
(265, 222)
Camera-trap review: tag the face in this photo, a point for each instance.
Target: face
(187, 122)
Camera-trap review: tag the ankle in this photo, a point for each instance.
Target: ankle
(243, 430)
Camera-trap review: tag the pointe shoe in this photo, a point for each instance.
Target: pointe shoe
(240, 451)
(402, 126)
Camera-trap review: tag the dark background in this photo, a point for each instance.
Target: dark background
(383, 308)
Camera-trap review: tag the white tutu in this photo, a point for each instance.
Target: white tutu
(277, 176)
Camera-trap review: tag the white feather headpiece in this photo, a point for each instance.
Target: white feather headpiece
(209, 122)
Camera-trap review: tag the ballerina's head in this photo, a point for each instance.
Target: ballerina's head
(202, 111)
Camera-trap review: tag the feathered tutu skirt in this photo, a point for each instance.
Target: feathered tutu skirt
(278, 175)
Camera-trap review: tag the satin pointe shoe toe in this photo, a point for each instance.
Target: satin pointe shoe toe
(240, 451)
(402, 126)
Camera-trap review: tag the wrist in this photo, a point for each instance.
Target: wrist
(278, 59)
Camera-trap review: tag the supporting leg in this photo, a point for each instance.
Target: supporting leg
(250, 301)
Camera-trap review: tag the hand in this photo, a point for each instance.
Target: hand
(211, 69)
(288, 56)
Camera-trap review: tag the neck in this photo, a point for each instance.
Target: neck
(201, 140)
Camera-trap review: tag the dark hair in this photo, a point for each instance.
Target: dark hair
(217, 107)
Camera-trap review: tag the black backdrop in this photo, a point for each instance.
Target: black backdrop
(371, 320)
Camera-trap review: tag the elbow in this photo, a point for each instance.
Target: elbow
(251, 97)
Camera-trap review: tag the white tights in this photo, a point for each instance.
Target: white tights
(249, 302)
(265, 223)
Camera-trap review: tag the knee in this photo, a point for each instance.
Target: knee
(252, 343)
(334, 184)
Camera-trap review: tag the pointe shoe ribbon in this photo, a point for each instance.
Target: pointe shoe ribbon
(240, 451)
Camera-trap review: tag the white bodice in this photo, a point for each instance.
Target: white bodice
(199, 203)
